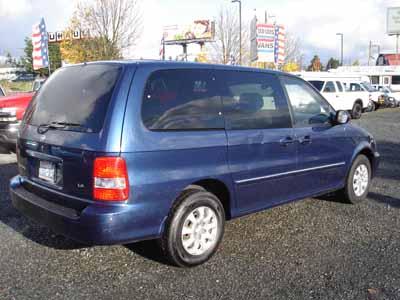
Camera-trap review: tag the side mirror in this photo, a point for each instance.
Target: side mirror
(342, 117)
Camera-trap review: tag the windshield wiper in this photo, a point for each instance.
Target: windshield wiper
(43, 128)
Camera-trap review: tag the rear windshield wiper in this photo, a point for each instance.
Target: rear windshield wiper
(43, 128)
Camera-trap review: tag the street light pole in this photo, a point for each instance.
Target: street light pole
(341, 48)
(240, 29)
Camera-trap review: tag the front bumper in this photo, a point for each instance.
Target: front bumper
(96, 224)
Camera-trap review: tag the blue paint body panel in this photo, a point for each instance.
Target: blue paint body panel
(257, 170)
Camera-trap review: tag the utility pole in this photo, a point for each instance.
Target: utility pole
(240, 29)
(341, 48)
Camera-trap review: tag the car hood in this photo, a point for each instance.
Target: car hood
(16, 99)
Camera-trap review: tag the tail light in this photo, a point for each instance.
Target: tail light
(110, 179)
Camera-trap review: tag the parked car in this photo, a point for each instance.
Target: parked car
(37, 84)
(12, 109)
(377, 97)
(118, 152)
(24, 77)
(2, 93)
(335, 92)
(392, 96)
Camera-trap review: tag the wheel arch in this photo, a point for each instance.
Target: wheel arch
(219, 189)
(369, 153)
(359, 101)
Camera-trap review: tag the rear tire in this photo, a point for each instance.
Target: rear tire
(373, 106)
(358, 180)
(194, 228)
(356, 111)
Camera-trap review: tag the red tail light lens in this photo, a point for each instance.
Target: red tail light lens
(110, 179)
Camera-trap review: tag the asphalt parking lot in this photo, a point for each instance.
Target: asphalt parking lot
(311, 249)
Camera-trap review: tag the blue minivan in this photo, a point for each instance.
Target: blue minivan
(118, 152)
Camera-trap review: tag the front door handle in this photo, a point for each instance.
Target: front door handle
(305, 140)
(286, 141)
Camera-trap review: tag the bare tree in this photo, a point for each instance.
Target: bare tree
(115, 24)
(293, 49)
(226, 47)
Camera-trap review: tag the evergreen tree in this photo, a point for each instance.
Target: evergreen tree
(332, 64)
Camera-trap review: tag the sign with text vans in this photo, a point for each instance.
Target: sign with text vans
(267, 42)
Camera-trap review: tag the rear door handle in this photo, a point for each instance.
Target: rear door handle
(286, 141)
(305, 140)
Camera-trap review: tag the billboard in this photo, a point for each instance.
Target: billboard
(393, 20)
(199, 30)
(267, 42)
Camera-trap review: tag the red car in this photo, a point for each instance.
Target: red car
(12, 109)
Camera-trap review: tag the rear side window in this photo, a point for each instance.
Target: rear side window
(253, 100)
(182, 99)
(77, 95)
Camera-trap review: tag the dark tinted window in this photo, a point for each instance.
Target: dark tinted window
(78, 94)
(329, 87)
(318, 84)
(339, 86)
(355, 87)
(309, 108)
(253, 100)
(395, 80)
(1, 92)
(181, 100)
(375, 79)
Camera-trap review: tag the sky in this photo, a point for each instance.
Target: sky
(314, 22)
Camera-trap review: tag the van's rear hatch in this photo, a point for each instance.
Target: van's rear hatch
(76, 116)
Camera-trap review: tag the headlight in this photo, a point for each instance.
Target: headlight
(9, 110)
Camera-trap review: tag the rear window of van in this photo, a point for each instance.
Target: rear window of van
(77, 95)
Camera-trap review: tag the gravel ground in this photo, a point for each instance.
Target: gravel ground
(311, 249)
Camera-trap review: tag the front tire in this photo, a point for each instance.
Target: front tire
(194, 228)
(358, 180)
(356, 111)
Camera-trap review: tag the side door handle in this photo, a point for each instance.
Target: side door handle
(305, 140)
(286, 141)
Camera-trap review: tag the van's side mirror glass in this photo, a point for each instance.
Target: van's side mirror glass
(342, 117)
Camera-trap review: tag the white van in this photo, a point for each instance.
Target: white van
(333, 89)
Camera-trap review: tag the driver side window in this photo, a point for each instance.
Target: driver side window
(309, 108)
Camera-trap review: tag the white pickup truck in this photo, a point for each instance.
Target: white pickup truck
(341, 99)
(377, 98)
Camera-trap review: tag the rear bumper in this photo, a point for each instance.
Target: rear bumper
(96, 224)
(9, 134)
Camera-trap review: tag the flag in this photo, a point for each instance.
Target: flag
(40, 55)
(279, 50)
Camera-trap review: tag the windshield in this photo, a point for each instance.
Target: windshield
(318, 84)
(388, 89)
(76, 95)
(368, 86)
